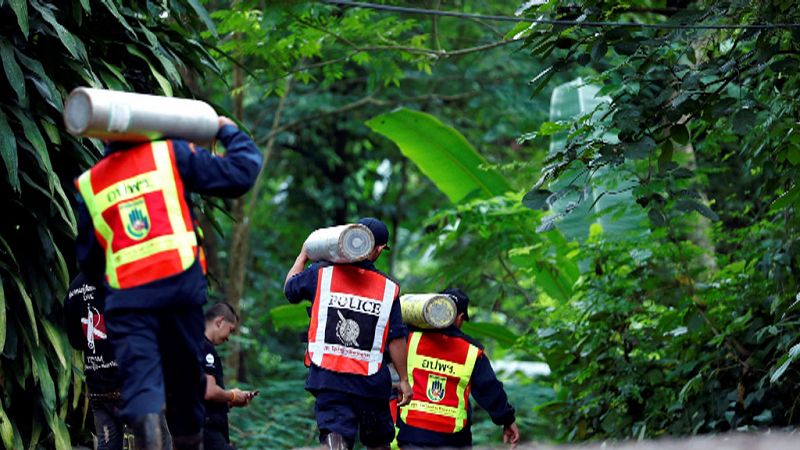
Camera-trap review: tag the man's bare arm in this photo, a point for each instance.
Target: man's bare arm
(298, 266)
(398, 353)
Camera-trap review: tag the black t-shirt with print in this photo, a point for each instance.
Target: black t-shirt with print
(86, 329)
(216, 412)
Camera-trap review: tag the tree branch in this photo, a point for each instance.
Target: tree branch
(368, 100)
(402, 48)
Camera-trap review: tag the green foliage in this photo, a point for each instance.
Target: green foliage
(441, 153)
(281, 416)
(692, 329)
(47, 49)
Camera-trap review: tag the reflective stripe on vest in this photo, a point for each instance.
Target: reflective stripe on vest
(439, 371)
(141, 219)
(349, 319)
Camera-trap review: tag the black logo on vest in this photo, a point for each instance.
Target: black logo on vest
(352, 320)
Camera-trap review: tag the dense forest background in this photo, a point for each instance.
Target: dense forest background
(620, 202)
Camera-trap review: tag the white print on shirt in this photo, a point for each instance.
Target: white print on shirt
(94, 326)
(97, 363)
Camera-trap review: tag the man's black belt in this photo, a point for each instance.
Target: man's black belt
(105, 395)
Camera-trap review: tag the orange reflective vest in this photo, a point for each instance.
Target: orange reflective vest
(439, 371)
(141, 219)
(349, 319)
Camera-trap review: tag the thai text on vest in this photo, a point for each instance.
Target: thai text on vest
(128, 189)
(438, 366)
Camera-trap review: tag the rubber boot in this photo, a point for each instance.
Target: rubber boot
(335, 441)
(191, 442)
(147, 433)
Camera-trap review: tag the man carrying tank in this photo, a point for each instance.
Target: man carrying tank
(355, 317)
(444, 367)
(221, 321)
(136, 228)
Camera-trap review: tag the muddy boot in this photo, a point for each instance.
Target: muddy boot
(335, 441)
(192, 442)
(147, 432)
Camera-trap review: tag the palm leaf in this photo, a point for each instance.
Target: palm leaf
(441, 153)
(8, 151)
(20, 8)
(12, 70)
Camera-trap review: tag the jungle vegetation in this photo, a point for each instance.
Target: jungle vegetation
(620, 202)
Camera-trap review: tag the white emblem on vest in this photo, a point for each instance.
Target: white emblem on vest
(347, 331)
(210, 359)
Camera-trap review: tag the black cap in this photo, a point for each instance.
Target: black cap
(378, 229)
(461, 299)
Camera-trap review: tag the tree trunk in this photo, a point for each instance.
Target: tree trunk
(239, 253)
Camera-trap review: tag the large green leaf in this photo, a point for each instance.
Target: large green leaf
(20, 8)
(162, 81)
(292, 317)
(60, 432)
(441, 153)
(26, 299)
(8, 151)
(500, 334)
(42, 375)
(2, 317)
(203, 14)
(71, 43)
(6, 429)
(42, 82)
(115, 12)
(556, 283)
(12, 70)
(55, 339)
(34, 136)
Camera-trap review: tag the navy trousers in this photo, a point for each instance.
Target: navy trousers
(348, 414)
(159, 356)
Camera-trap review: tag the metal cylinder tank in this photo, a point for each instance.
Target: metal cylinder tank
(126, 116)
(340, 244)
(428, 310)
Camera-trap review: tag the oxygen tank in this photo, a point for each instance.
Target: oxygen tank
(126, 116)
(340, 244)
(428, 310)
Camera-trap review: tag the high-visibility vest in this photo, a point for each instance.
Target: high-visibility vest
(350, 319)
(440, 372)
(141, 219)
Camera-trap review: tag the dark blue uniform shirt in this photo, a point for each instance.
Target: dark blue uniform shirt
(303, 286)
(487, 390)
(202, 172)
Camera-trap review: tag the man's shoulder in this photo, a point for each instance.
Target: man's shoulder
(370, 266)
(453, 332)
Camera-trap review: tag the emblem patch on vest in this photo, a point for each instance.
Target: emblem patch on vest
(347, 331)
(436, 385)
(135, 218)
